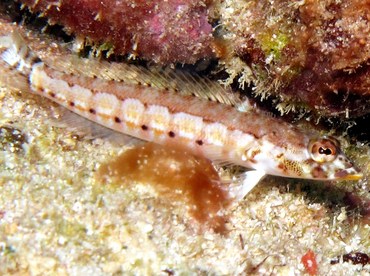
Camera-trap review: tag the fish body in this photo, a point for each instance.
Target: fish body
(217, 131)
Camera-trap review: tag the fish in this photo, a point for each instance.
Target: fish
(221, 130)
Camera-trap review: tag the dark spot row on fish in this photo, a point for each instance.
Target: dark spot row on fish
(171, 134)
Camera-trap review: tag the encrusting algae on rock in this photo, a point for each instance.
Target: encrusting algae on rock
(310, 55)
(162, 31)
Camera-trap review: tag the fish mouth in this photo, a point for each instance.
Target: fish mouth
(349, 174)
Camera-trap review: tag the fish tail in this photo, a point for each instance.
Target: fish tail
(17, 54)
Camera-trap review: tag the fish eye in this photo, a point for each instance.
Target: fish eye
(324, 149)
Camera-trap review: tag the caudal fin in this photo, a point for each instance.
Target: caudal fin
(17, 54)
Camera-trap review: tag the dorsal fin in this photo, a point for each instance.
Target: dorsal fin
(177, 81)
(169, 79)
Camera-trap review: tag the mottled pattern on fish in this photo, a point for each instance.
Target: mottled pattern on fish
(217, 131)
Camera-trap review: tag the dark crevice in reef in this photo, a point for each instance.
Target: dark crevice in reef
(361, 129)
(13, 11)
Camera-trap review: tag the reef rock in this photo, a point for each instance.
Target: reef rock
(160, 31)
(312, 54)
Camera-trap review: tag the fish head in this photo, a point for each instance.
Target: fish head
(326, 161)
(316, 158)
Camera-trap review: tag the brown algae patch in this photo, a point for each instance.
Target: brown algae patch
(11, 138)
(177, 176)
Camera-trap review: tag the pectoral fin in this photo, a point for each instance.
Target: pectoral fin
(245, 182)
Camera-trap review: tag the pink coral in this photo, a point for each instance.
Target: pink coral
(163, 31)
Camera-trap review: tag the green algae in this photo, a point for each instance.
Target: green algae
(273, 44)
